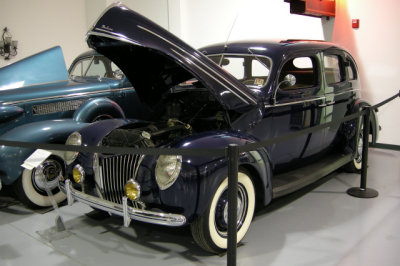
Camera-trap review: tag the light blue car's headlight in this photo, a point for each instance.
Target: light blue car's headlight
(74, 139)
(167, 170)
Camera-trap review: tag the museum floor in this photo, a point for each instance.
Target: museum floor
(321, 225)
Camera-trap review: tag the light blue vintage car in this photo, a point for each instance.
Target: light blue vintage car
(41, 102)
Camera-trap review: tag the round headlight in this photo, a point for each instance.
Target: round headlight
(76, 140)
(167, 170)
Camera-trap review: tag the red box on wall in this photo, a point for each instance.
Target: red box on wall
(355, 23)
(315, 8)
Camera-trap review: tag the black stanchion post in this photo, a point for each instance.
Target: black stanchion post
(363, 191)
(233, 157)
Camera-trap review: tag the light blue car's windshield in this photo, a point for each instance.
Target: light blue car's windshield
(96, 67)
(249, 69)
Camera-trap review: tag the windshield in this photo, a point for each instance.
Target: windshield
(249, 69)
(97, 66)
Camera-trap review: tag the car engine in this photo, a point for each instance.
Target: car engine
(180, 113)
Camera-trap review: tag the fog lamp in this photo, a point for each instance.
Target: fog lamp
(78, 174)
(132, 189)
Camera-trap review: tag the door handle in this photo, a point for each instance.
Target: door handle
(326, 104)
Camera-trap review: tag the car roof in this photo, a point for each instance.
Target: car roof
(268, 48)
(88, 53)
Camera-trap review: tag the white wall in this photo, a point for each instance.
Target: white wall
(208, 21)
(375, 47)
(41, 24)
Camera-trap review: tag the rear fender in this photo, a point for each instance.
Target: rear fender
(52, 131)
(374, 124)
(98, 109)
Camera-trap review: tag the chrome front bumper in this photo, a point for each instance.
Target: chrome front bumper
(127, 212)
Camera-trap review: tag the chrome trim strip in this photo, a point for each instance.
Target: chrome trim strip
(72, 95)
(313, 99)
(113, 36)
(296, 102)
(343, 92)
(168, 219)
(197, 59)
(115, 4)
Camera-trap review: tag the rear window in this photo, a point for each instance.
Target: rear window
(333, 73)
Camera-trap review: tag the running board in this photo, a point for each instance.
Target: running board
(289, 182)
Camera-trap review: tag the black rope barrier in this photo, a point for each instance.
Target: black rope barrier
(231, 153)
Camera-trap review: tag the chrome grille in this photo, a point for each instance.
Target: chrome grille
(49, 108)
(116, 170)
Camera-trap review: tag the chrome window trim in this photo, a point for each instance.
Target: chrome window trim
(73, 95)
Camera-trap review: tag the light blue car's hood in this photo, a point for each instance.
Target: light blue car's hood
(43, 67)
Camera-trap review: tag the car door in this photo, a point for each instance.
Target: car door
(298, 106)
(340, 90)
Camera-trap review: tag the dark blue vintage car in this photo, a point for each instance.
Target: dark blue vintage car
(40, 102)
(234, 93)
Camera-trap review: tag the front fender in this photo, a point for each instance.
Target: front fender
(98, 109)
(9, 112)
(52, 131)
(204, 174)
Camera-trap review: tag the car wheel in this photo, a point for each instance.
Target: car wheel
(31, 187)
(210, 230)
(356, 164)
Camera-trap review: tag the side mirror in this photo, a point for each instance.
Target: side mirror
(289, 80)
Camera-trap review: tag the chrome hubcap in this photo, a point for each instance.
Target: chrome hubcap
(46, 174)
(221, 211)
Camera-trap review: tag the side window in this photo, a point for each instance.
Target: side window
(80, 67)
(302, 71)
(260, 71)
(96, 68)
(235, 67)
(351, 69)
(333, 73)
(251, 70)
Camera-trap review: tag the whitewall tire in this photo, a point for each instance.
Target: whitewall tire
(210, 230)
(31, 187)
(356, 164)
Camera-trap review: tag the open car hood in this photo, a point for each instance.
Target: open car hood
(154, 60)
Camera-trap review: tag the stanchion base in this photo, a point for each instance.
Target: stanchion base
(362, 192)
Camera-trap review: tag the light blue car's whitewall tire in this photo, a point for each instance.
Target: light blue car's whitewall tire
(31, 190)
